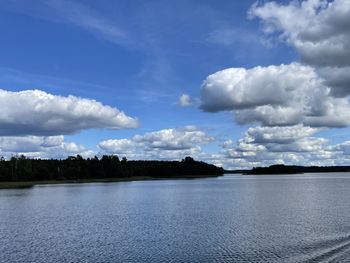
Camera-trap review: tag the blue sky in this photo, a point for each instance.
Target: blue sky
(139, 57)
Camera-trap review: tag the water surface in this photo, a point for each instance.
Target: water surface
(235, 218)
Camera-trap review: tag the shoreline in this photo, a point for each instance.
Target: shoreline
(29, 184)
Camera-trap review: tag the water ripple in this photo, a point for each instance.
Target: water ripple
(231, 219)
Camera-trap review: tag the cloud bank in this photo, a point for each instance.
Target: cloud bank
(263, 146)
(165, 144)
(41, 147)
(289, 103)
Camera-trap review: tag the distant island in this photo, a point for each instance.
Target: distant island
(24, 172)
(294, 169)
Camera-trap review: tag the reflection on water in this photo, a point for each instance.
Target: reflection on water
(235, 218)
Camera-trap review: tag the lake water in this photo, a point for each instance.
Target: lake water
(235, 218)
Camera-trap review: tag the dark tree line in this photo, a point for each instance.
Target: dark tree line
(76, 168)
(294, 169)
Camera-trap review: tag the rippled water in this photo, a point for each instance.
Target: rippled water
(235, 218)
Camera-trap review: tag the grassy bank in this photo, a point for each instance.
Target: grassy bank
(14, 185)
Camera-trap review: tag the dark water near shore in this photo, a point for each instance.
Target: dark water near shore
(235, 218)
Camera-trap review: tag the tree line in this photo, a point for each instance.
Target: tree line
(294, 169)
(108, 166)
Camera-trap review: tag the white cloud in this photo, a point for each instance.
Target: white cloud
(279, 135)
(285, 139)
(184, 100)
(292, 101)
(163, 144)
(275, 96)
(320, 32)
(174, 139)
(117, 146)
(263, 146)
(35, 112)
(318, 29)
(240, 88)
(41, 147)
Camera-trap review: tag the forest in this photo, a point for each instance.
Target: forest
(107, 167)
(294, 169)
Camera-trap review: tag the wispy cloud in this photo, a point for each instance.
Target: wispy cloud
(14, 77)
(232, 36)
(74, 13)
(156, 80)
(82, 16)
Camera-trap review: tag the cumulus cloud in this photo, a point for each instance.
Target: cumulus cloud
(275, 96)
(164, 144)
(338, 78)
(184, 100)
(279, 135)
(118, 146)
(290, 145)
(320, 32)
(174, 139)
(262, 146)
(35, 112)
(41, 147)
(289, 103)
(240, 88)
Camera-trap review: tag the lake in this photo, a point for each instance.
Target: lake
(234, 218)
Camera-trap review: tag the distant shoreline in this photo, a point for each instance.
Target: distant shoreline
(29, 184)
(295, 169)
(21, 172)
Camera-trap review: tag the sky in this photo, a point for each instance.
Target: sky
(235, 83)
